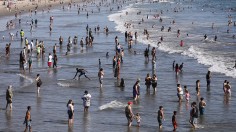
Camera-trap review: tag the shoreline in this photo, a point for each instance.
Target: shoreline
(22, 7)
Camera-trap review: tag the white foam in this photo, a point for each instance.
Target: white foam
(217, 63)
(112, 104)
(120, 18)
(64, 84)
(26, 77)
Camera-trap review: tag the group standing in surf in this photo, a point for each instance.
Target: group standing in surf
(151, 80)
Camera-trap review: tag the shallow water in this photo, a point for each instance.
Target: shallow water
(107, 110)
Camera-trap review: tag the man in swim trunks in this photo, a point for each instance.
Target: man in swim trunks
(27, 121)
(129, 113)
(202, 105)
(193, 114)
(82, 72)
(160, 116)
(9, 96)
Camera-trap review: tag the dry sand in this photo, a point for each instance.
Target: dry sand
(27, 6)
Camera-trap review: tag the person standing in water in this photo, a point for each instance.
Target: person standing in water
(228, 89)
(148, 81)
(193, 114)
(173, 65)
(86, 100)
(70, 112)
(198, 87)
(27, 121)
(38, 82)
(154, 82)
(179, 92)
(82, 72)
(9, 95)
(54, 60)
(50, 60)
(208, 79)
(224, 84)
(176, 68)
(129, 113)
(202, 105)
(100, 76)
(99, 64)
(160, 116)
(174, 122)
(136, 90)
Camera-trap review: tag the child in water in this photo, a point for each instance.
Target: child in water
(138, 118)
(187, 95)
(174, 122)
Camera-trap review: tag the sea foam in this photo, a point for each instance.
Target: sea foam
(112, 104)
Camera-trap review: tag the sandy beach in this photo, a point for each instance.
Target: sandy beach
(27, 6)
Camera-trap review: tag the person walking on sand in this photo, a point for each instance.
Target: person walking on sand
(202, 105)
(38, 82)
(82, 72)
(86, 100)
(129, 113)
(70, 112)
(27, 121)
(174, 122)
(100, 76)
(9, 95)
(160, 116)
(193, 115)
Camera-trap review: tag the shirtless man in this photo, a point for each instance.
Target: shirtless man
(160, 116)
(129, 113)
(202, 105)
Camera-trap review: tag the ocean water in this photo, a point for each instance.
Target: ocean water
(49, 112)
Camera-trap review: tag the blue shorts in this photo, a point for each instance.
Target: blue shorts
(28, 123)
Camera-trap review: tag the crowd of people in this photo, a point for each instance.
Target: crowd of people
(38, 48)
